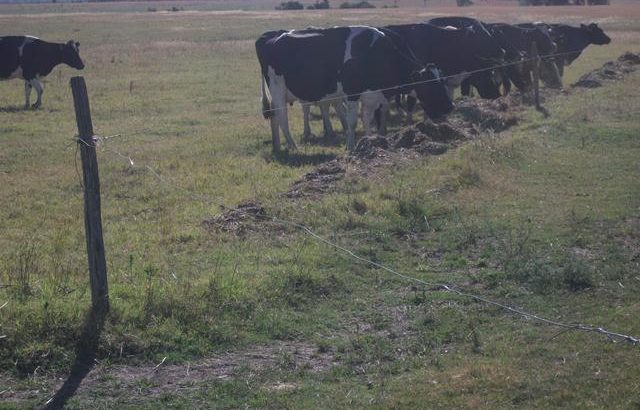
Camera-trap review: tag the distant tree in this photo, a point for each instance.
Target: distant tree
(290, 5)
(319, 5)
(464, 3)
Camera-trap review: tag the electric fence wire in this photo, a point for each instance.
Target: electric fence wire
(613, 336)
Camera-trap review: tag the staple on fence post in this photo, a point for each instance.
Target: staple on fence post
(92, 213)
(536, 74)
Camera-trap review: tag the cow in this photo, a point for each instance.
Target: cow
(572, 41)
(522, 38)
(485, 81)
(31, 59)
(457, 52)
(356, 63)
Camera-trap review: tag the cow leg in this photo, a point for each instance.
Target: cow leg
(283, 120)
(306, 110)
(275, 133)
(352, 121)
(341, 111)
(279, 106)
(411, 106)
(326, 120)
(370, 102)
(38, 86)
(465, 88)
(384, 114)
(27, 94)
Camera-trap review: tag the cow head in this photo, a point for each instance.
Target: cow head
(432, 92)
(595, 34)
(71, 55)
(486, 84)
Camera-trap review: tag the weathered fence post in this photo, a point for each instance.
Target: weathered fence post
(536, 74)
(91, 180)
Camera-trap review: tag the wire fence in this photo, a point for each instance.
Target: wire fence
(435, 286)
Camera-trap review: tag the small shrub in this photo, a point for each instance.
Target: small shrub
(358, 5)
(576, 275)
(290, 5)
(464, 3)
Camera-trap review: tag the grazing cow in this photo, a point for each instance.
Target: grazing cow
(485, 82)
(457, 52)
(355, 63)
(521, 38)
(572, 41)
(31, 59)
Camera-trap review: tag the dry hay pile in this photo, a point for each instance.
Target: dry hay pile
(612, 70)
(239, 220)
(426, 138)
(319, 181)
(478, 115)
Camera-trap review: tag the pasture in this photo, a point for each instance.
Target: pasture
(544, 216)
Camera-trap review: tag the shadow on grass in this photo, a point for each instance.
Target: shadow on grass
(321, 141)
(298, 159)
(14, 108)
(86, 350)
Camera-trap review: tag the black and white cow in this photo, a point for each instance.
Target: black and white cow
(31, 59)
(483, 81)
(521, 38)
(572, 41)
(457, 52)
(358, 63)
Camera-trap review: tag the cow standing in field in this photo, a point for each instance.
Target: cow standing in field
(31, 59)
(487, 81)
(572, 41)
(359, 64)
(521, 37)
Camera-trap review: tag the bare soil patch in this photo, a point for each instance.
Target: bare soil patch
(140, 382)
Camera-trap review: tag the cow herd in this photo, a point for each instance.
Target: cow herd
(349, 67)
(358, 70)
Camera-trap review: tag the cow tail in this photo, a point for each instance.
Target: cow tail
(267, 112)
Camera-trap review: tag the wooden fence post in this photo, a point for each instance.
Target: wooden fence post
(91, 180)
(536, 74)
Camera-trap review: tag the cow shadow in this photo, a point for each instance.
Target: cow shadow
(322, 141)
(86, 353)
(299, 159)
(14, 108)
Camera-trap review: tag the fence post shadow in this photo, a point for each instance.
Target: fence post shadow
(86, 352)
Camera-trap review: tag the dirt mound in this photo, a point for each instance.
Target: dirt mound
(319, 181)
(427, 138)
(612, 70)
(238, 220)
(481, 115)
(371, 146)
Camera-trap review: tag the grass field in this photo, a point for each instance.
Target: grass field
(545, 216)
